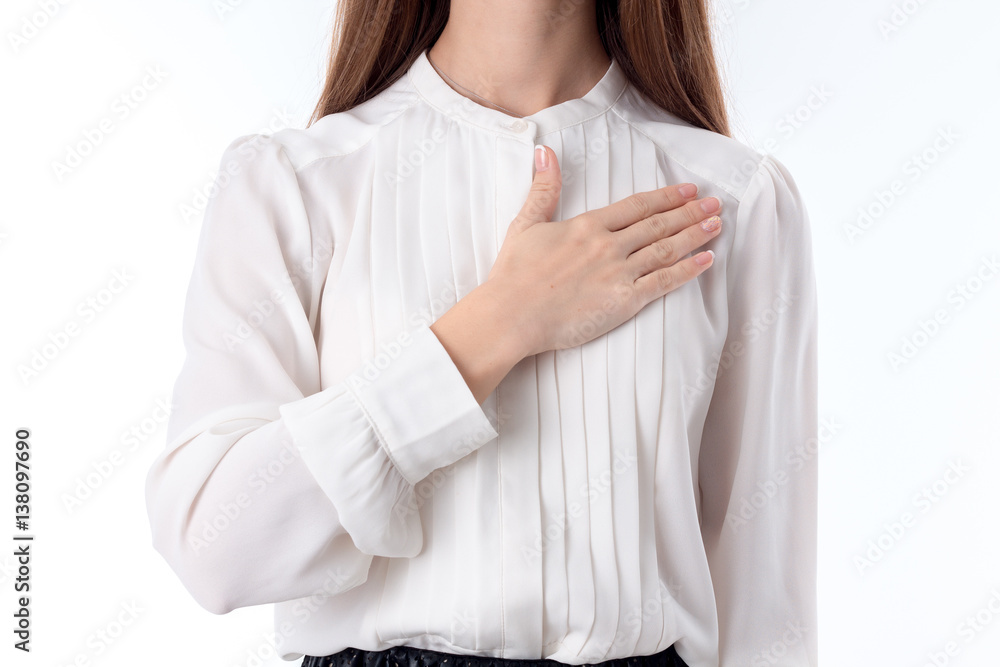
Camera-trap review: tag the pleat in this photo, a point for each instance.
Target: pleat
(594, 182)
(457, 205)
(622, 361)
(517, 394)
(520, 517)
(684, 579)
(462, 494)
(551, 544)
(579, 566)
(481, 535)
(651, 338)
(355, 278)
(385, 269)
(479, 171)
(483, 545)
(419, 233)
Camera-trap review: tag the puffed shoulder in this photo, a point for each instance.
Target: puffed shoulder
(772, 233)
(253, 154)
(771, 174)
(772, 198)
(256, 191)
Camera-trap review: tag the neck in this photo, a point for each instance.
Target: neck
(524, 55)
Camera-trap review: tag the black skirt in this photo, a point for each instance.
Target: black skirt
(409, 656)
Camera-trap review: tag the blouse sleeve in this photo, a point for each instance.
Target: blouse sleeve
(272, 488)
(757, 467)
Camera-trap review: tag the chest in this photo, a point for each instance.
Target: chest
(426, 231)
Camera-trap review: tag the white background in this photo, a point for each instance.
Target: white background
(849, 106)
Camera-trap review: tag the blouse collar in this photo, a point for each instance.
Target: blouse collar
(440, 95)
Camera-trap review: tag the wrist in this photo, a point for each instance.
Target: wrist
(515, 337)
(481, 338)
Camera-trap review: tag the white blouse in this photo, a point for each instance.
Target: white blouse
(656, 485)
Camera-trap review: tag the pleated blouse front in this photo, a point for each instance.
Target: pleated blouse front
(653, 486)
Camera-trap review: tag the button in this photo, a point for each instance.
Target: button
(518, 125)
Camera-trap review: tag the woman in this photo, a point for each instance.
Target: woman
(449, 396)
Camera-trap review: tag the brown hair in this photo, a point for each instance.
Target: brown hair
(664, 49)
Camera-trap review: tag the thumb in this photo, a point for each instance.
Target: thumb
(543, 197)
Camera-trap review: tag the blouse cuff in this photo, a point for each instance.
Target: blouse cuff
(423, 411)
(368, 439)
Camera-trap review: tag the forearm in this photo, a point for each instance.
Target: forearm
(482, 338)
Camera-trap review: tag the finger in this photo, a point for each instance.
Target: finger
(669, 250)
(543, 197)
(663, 225)
(660, 282)
(644, 204)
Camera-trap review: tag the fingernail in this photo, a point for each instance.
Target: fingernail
(711, 224)
(541, 158)
(711, 204)
(688, 190)
(705, 257)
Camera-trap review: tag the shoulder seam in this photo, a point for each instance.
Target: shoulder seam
(328, 156)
